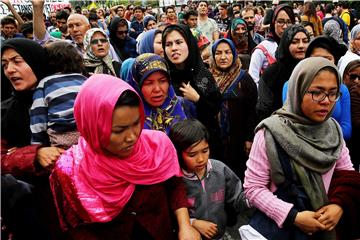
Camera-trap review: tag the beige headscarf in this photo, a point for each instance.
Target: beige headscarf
(313, 148)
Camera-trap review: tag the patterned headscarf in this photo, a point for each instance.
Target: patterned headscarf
(171, 111)
(90, 60)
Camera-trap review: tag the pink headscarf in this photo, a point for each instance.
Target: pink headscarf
(91, 186)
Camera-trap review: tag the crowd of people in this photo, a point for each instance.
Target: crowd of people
(125, 122)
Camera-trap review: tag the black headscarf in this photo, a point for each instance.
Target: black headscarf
(330, 44)
(15, 119)
(117, 43)
(283, 53)
(194, 59)
(278, 73)
(272, 35)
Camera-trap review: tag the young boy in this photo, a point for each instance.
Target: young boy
(211, 186)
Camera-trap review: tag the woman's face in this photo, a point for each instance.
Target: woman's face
(158, 49)
(356, 44)
(281, 23)
(223, 56)
(125, 131)
(322, 52)
(17, 70)
(352, 77)
(324, 81)
(155, 88)
(176, 48)
(99, 45)
(298, 46)
(151, 25)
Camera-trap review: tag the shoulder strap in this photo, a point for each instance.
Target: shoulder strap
(268, 56)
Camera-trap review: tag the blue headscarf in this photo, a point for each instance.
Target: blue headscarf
(232, 47)
(125, 72)
(171, 111)
(146, 44)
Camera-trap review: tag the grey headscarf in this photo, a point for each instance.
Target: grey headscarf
(332, 29)
(354, 32)
(313, 148)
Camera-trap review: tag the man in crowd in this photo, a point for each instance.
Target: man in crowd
(248, 15)
(171, 15)
(206, 25)
(223, 20)
(191, 18)
(8, 27)
(137, 26)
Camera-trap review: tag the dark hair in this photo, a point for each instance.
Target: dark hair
(26, 28)
(128, 98)
(206, 2)
(351, 66)
(62, 15)
(64, 58)
(169, 7)
(122, 22)
(310, 9)
(189, 13)
(328, 43)
(306, 23)
(139, 8)
(344, 5)
(8, 20)
(329, 8)
(223, 5)
(184, 134)
(93, 16)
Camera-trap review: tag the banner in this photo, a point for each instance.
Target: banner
(25, 6)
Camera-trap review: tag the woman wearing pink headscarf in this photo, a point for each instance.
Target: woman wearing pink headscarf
(120, 181)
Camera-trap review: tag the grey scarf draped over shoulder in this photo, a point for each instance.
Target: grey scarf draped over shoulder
(312, 147)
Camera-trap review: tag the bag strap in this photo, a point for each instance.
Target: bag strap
(268, 56)
(285, 163)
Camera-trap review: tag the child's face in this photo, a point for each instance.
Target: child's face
(196, 157)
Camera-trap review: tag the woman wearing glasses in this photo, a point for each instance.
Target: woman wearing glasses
(304, 133)
(97, 58)
(290, 52)
(327, 47)
(264, 54)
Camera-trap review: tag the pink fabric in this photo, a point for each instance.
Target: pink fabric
(91, 186)
(259, 189)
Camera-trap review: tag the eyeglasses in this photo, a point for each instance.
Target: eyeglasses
(122, 32)
(319, 96)
(282, 22)
(353, 77)
(96, 41)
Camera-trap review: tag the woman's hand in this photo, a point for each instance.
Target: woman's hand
(187, 232)
(247, 147)
(308, 222)
(47, 156)
(189, 92)
(206, 228)
(330, 216)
